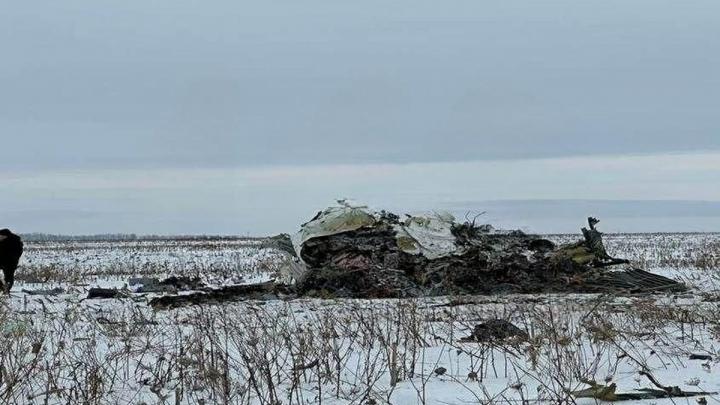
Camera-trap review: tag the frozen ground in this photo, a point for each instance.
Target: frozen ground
(64, 349)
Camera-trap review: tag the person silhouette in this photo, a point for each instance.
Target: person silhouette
(11, 249)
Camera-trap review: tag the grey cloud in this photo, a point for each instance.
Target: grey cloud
(93, 84)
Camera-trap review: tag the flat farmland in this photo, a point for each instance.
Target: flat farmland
(59, 347)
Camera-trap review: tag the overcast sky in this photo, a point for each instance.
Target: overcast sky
(167, 116)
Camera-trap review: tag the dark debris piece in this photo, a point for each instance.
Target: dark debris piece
(106, 293)
(630, 281)
(261, 291)
(281, 242)
(496, 330)
(51, 292)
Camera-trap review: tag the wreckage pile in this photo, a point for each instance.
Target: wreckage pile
(352, 251)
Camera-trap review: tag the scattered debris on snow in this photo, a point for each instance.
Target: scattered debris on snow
(50, 292)
(608, 392)
(262, 291)
(171, 284)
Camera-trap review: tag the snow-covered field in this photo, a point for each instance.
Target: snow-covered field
(66, 349)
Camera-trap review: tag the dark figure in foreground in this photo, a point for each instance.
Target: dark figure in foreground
(11, 248)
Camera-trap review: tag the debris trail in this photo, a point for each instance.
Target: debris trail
(351, 251)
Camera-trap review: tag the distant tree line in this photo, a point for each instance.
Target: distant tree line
(46, 237)
(120, 237)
